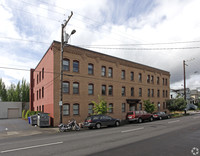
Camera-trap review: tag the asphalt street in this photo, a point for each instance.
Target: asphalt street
(175, 136)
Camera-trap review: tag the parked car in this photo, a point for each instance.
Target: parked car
(161, 115)
(99, 121)
(139, 116)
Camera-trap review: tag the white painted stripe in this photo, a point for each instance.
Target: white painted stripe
(131, 130)
(24, 148)
(173, 121)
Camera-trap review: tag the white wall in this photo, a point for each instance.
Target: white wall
(4, 108)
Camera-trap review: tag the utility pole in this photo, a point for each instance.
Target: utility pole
(184, 77)
(61, 65)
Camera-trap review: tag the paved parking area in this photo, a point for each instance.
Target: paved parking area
(15, 127)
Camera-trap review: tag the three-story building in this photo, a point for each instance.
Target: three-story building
(123, 84)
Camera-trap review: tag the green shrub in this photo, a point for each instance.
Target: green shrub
(30, 113)
(27, 114)
(23, 114)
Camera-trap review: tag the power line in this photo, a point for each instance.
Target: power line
(183, 48)
(32, 13)
(107, 46)
(23, 40)
(143, 44)
(120, 34)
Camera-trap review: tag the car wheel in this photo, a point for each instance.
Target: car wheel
(151, 119)
(139, 120)
(168, 117)
(98, 126)
(160, 118)
(117, 123)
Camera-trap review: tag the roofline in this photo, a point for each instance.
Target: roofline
(115, 57)
(99, 54)
(45, 53)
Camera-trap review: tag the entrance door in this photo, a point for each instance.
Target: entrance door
(132, 107)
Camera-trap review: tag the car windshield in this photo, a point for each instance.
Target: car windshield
(130, 113)
(88, 118)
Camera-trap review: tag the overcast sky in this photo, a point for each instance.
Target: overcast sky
(128, 29)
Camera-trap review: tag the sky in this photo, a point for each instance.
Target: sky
(157, 33)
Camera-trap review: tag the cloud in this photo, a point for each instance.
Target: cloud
(101, 23)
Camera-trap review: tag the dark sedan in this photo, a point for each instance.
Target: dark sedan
(161, 115)
(99, 121)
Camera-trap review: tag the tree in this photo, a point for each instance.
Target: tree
(101, 107)
(149, 107)
(3, 91)
(19, 92)
(25, 91)
(178, 104)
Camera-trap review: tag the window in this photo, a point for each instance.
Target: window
(103, 89)
(163, 81)
(158, 80)
(140, 77)
(158, 93)
(140, 106)
(66, 109)
(75, 88)
(76, 109)
(166, 93)
(110, 72)
(123, 91)
(140, 92)
(42, 73)
(39, 93)
(40, 76)
(66, 64)
(123, 107)
(163, 93)
(123, 75)
(166, 82)
(110, 90)
(75, 66)
(152, 79)
(148, 78)
(90, 89)
(42, 108)
(65, 87)
(110, 108)
(164, 105)
(90, 69)
(132, 76)
(149, 93)
(42, 92)
(90, 108)
(103, 71)
(132, 91)
(37, 79)
(152, 92)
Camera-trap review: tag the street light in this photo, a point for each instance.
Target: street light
(64, 40)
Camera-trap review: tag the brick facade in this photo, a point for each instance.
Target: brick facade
(125, 76)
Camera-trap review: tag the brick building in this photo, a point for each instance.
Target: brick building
(123, 84)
